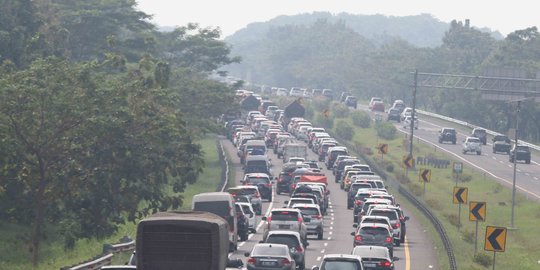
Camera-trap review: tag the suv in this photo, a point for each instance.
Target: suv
(351, 101)
(481, 134)
(262, 181)
(374, 234)
(522, 152)
(472, 144)
(447, 135)
(340, 261)
(316, 224)
(501, 143)
(288, 219)
(293, 241)
(394, 114)
(251, 191)
(394, 221)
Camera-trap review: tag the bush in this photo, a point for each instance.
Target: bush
(344, 130)
(453, 219)
(386, 130)
(340, 110)
(325, 122)
(482, 259)
(361, 119)
(390, 167)
(468, 236)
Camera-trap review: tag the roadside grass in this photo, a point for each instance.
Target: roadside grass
(14, 252)
(522, 250)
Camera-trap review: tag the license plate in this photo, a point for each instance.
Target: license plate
(369, 265)
(268, 263)
(284, 226)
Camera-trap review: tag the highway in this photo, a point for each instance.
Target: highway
(417, 252)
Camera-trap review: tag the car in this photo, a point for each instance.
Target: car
(394, 115)
(293, 241)
(480, 133)
(520, 152)
(374, 234)
(289, 219)
(282, 92)
(270, 256)
(262, 181)
(375, 219)
(250, 214)
(351, 101)
(340, 261)
(394, 221)
(374, 257)
(399, 104)
(501, 143)
(373, 100)
(252, 191)
(472, 144)
(316, 223)
(242, 222)
(377, 106)
(328, 93)
(447, 134)
(406, 112)
(408, 121)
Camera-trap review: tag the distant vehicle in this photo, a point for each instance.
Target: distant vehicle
(316, 223)
(377, 106)
(286, 219)
(399, 104)
(520, 152)
(374, 234)
(406, 112)
(351, 101)
(447, 135)
(340, 261)
(328, 93)
(269, 256)
(472, 144)
(373, 100)
(296, 92)
(481, 134)
(394, 115)
(282, 92)
(408, 121)
(374, 257)
(501, 143)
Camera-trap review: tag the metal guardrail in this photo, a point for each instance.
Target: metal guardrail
(106, 259)
(224, 166)
(463, 123)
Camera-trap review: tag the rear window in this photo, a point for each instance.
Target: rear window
(392, 215)
(334, 154)
(285, 216)
(341, 265)
(258, 180)
(371, 231)
(289, 240)
(265, 250)
(247, 209)
(308, 211)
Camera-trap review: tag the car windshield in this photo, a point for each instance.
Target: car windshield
(340, 265)
(289, 240)
(473, 140)
(269, 251)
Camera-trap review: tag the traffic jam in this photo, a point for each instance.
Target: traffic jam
(378, 224)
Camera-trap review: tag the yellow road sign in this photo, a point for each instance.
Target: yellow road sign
(477, 211)
(425, 175)
(408, 161)
(383, 148)
(326, 113)
(495, 239)
(460, 195)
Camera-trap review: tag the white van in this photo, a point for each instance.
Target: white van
(221, 204)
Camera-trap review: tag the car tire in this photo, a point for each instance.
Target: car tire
(528, 161)
(453, 142)
(397, 243)
(478, 152)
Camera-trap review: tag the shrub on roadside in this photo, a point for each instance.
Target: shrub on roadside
(482, 259)
(386, 130)
(344, 130)
(340, 110)
(361, 119)
(325, 122)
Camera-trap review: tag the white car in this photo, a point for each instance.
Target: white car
(407, 122)
(472, 144)
(250, 214)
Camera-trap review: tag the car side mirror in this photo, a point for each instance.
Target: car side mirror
(315, 268)
(355, 225)
(263, 218)
(407, 218)
(395, 259)
(353, 233)
(246, 254)
(328, 192)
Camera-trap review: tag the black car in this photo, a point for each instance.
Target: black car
(522, 152)
(481, 134)
(262, 181)
(242, 223)
(447, 135)
(501, 143)
(394, 114)
(351, 101)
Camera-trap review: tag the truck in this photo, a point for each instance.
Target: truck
(294, 150)
(182, 240)
(294, 109)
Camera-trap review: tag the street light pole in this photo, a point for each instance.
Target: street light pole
(515, 164)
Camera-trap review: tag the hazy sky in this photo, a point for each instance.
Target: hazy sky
(232, 15)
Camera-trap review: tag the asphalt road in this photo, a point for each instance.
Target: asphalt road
(417, 252)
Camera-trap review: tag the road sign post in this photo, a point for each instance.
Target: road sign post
(383, 149)
(408, 161)
(495, 240)
(457, 169)
(477, 212)
(459, 198)
(425, 177)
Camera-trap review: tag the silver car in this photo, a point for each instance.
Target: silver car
(293, 241)
(270, 256)
(288, 219)
(315, 223)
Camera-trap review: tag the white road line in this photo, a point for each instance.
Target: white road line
(330, 238)
(325, 244)
(318, 258)
(322, 251)
(332, 223)
(331, 228)
(330, 233)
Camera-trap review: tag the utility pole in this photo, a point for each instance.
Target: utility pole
(515, 165)
(413, 114)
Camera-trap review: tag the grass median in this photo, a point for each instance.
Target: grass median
(14, 254)
(522, 251)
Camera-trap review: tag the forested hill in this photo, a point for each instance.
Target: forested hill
(420, 30)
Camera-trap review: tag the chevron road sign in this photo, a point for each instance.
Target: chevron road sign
(425, 175)
(460, 195)
(408, 160)
(477, 211)
(383, 148)
(495, 239)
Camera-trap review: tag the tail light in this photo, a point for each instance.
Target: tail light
(385, 264)
(300, 220)
(268, 219)
(358, 238)
(358, 202)
(257, 195)
(269, 185)
(299, 249)
(397, 225)
(251, 261)
(388, 240)
(285, 261)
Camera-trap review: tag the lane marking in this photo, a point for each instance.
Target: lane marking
(325, 244)
(407, 255)
(322, 250)
(318, 259)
